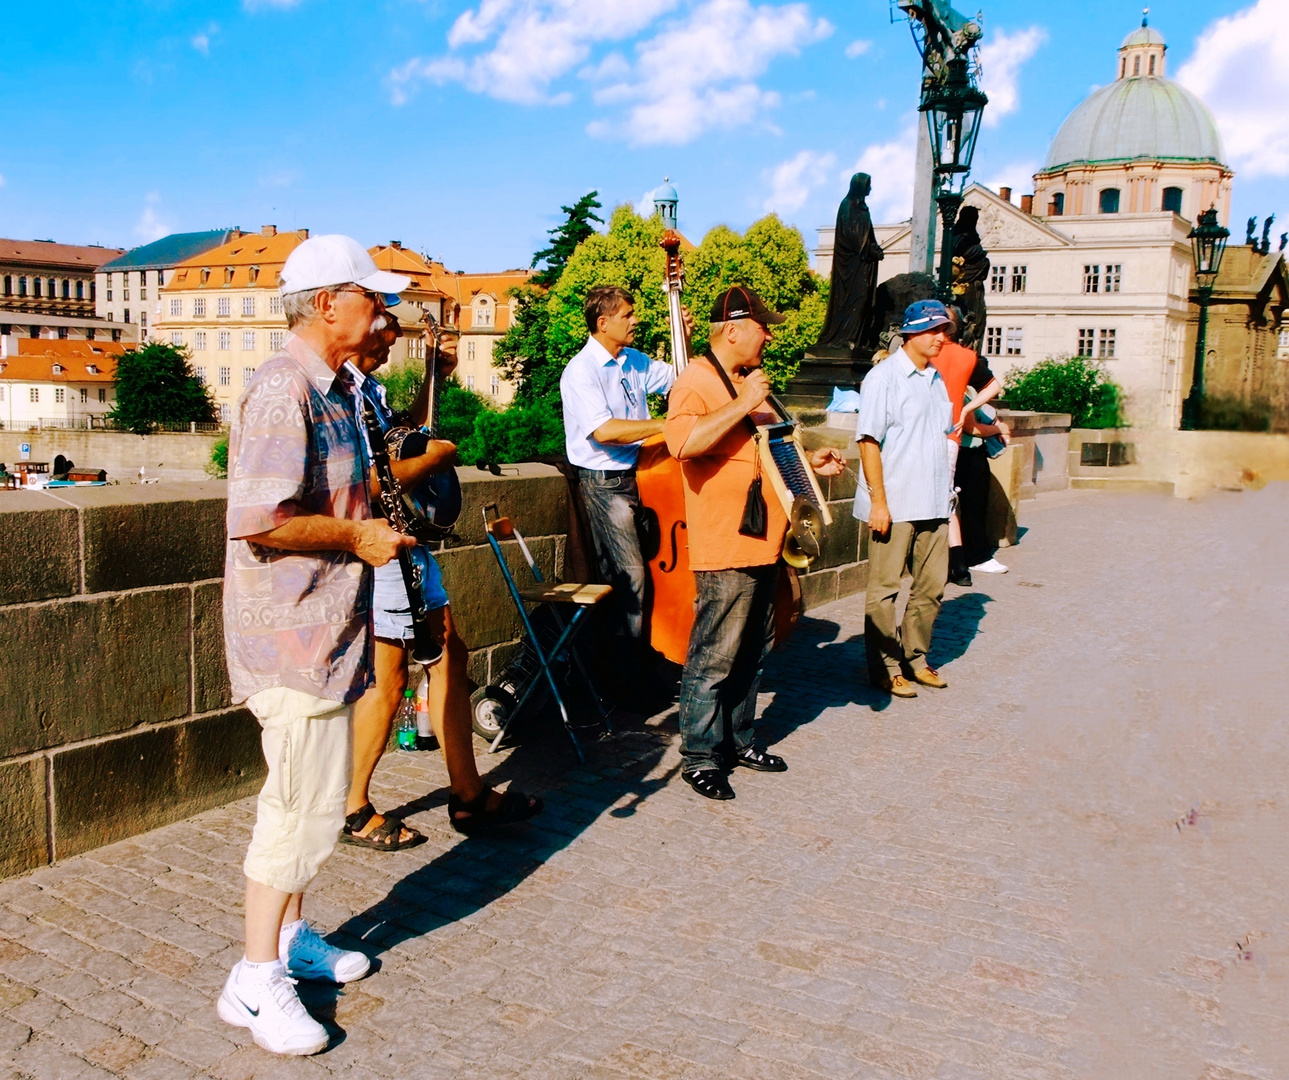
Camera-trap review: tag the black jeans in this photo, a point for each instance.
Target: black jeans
(973, 479)
(610, 508)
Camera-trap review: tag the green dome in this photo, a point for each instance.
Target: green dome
(1143, 35)
(1144, 117)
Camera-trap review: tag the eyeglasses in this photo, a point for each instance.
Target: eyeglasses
(376, 298)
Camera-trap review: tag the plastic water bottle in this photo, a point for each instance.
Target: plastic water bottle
(407, 721)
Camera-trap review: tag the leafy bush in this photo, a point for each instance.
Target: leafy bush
(458, 406)
(155, 384)
(1233, 414)
(524, 432)
(1077, 385)
(217, 466)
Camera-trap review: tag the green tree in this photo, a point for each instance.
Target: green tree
(458, 406)
(565, 237)
(1077, 385)
(155, 384)
(520, 352)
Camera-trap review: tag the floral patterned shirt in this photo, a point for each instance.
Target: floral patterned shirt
(296, 619)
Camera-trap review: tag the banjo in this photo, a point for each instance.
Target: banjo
(434, 505)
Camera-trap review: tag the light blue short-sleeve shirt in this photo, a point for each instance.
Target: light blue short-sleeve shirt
(596, 387)
(907, 413)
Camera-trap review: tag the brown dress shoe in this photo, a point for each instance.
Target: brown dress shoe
(896, 686)
(930, 677)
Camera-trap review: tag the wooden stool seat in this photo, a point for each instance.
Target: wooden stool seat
(570, 592)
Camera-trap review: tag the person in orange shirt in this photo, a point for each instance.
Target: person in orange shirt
(714, 407)
(961, 368)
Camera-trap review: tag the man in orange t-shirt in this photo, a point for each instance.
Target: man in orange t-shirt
(708, 430)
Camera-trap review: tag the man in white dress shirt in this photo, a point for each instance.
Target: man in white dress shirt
(605, 390)
(904, 416)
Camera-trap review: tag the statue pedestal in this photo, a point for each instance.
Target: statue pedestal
(820, 371)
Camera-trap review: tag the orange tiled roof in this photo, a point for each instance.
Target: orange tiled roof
(48, 253)
(36, 357)
(230, 265)
(399, 260)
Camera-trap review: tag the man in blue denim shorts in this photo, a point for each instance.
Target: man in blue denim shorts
(605, 390)
(471, 803)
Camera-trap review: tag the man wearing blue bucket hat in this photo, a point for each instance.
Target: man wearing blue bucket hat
(904, 416)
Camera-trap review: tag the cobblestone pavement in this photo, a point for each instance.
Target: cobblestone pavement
(1071, 863)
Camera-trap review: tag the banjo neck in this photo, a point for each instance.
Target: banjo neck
(432, 374)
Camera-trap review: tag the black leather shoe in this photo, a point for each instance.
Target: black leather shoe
(709, 783)
(756, 758)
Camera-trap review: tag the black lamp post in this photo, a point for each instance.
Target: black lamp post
(953, 107)
(1208, 245)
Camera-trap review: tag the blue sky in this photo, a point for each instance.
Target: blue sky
(461, 128)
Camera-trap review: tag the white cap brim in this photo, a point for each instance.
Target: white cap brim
(382, 281)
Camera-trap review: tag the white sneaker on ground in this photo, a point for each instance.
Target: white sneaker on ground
(307, 956)
(262, 998)
(990, 566)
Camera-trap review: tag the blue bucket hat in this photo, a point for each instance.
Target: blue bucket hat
(925, 315)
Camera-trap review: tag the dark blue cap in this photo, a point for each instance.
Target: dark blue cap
(925, 315)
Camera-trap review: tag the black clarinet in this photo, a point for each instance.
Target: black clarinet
(425, 650)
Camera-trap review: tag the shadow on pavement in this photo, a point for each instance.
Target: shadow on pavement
(956, 627)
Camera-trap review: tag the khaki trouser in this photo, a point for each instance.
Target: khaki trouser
(924, 547)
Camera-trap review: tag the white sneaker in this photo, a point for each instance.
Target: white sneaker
(990, 566)
(307, 956)
(267, 1004)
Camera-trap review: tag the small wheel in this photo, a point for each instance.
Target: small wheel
(490, 708)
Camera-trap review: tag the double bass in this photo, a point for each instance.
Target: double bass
(669, 615)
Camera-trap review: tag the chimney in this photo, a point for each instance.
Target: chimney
(268, 230)
(304, 234)
(1005, 193)
(396, 244)
(1027, 204)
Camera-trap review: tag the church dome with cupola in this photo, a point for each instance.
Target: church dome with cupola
(1141, 144)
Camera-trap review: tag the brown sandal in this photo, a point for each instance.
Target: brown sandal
(387, 836)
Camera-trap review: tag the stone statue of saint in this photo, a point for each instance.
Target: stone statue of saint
(970, 272)
(856, 253)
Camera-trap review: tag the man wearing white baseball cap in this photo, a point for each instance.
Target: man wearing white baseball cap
(297, 635)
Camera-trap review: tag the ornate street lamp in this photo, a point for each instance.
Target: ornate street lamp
(1208, 245)
(953, 107)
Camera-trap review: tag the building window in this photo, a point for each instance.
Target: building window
(143, 288)
(8, 285)
(1019, 274)
(225, 376)
(1015, 341)
(225, 414)
(126, 315)
(85, 395)
(483, 315)
(67, 289)
(200, 372)
(62, 333)
(176, 338)
(35, 287)
(494, 385)
(143, 319)
(35, 394)
(248, 341)
(198, 307)
(1173, 199)
(469, 350)
(161, 278)
(22, 288)
(225, 340)
(1112, 275)
(469, 382)
(225, 305)
(1109, 200)
(102, 395)
(80, 290)
(1091, 278)
(89, 333)
(275, 305)
(993, 341)
(199, 340)
(1087, 339)
(248, 305)
(1136, 65)
(125, 290)
(1106, 343)
(277, 338)
(247, 372)
(998, 279)
(176, 307)
(60, 395)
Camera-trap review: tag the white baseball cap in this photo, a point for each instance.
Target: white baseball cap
(338, 260)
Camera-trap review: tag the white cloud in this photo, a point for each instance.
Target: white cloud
(1000, 62)
(792, 181)
(201, 42)
(150, 225)
(891, 165)
(1238, 69)
(698, 74)
(857, 48)
(644, 205)
(1017, 175)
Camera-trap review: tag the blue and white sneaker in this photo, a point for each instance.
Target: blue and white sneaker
(263, 999)
(307, 956)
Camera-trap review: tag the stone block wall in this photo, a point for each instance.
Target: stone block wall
(117, 711)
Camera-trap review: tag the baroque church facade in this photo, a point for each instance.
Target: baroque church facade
(1097, 262)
